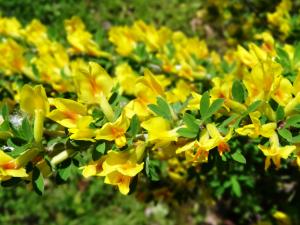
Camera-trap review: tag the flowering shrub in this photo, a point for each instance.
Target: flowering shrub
(155, 109)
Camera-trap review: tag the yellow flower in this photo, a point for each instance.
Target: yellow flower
(263, 80)
(152, 37)
(115, 131)
(124, 39)
(197, 151)
(92, 81)
(36, 33)
(117, 178)
(150, 81)
(67, 112)
(289, 109)
(9, 167)
(126, 163)
(194, 103)
(256, 129)
(219, 140)
(94, 168)
(34, 102)
(296, 84)
(10, 27)
(283, 94)
(94, 86)
(282, 218)
(159, 131)
(269, 42)
(34, 99)
(127, 78)
(180, 93)
(118, 167)
(246, 57)
(82, 131)
(281, 17)
(147, 89)
(80, 39)
(275, 152)
(12, 59)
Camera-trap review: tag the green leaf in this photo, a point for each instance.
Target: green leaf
(26, 130)
(253, 107)
(204, 105)
(65, 169)
(161, 109)
(99, 151)
(238, 91)
(236, 188)
(191, 122)
(286, 134)
(101, 148)
(215, 106)
(5, 116)
(293, 121)
(237, 156)
(228, 120)
(297, 108)
(279, 113)
(151, 167)
(18, 150)
(186, 132)
(134, 126)
(296, 59)
(37, 181)
(296, 139)
(283, 58)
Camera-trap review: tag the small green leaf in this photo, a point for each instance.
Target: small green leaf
(279, 113)
(204, 105)
(237, 156)
(65, 169)
(238, 91)
(4, 126)
(293, 121)
(134, 126)
(286, 134)
(161, 109)
(215, 106)
(236, 188)
(151, 167)
(191, 122)
(186, 132)
(296, 139)
(296, 59)
(283, 58)
(229, 120)
(165, 107)
(101, 148)
(99, 151)
(26, 130)
(297, 108)
(253, 106)
(18, 150)
(37, 181)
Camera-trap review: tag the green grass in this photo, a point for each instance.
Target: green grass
(82, 202)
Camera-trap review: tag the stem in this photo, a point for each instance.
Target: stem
(38, 125)
(106, 108)
(61, 156)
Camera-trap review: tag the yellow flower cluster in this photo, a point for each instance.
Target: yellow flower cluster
(164, 91)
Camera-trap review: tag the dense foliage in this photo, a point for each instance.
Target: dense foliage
(157, 113)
